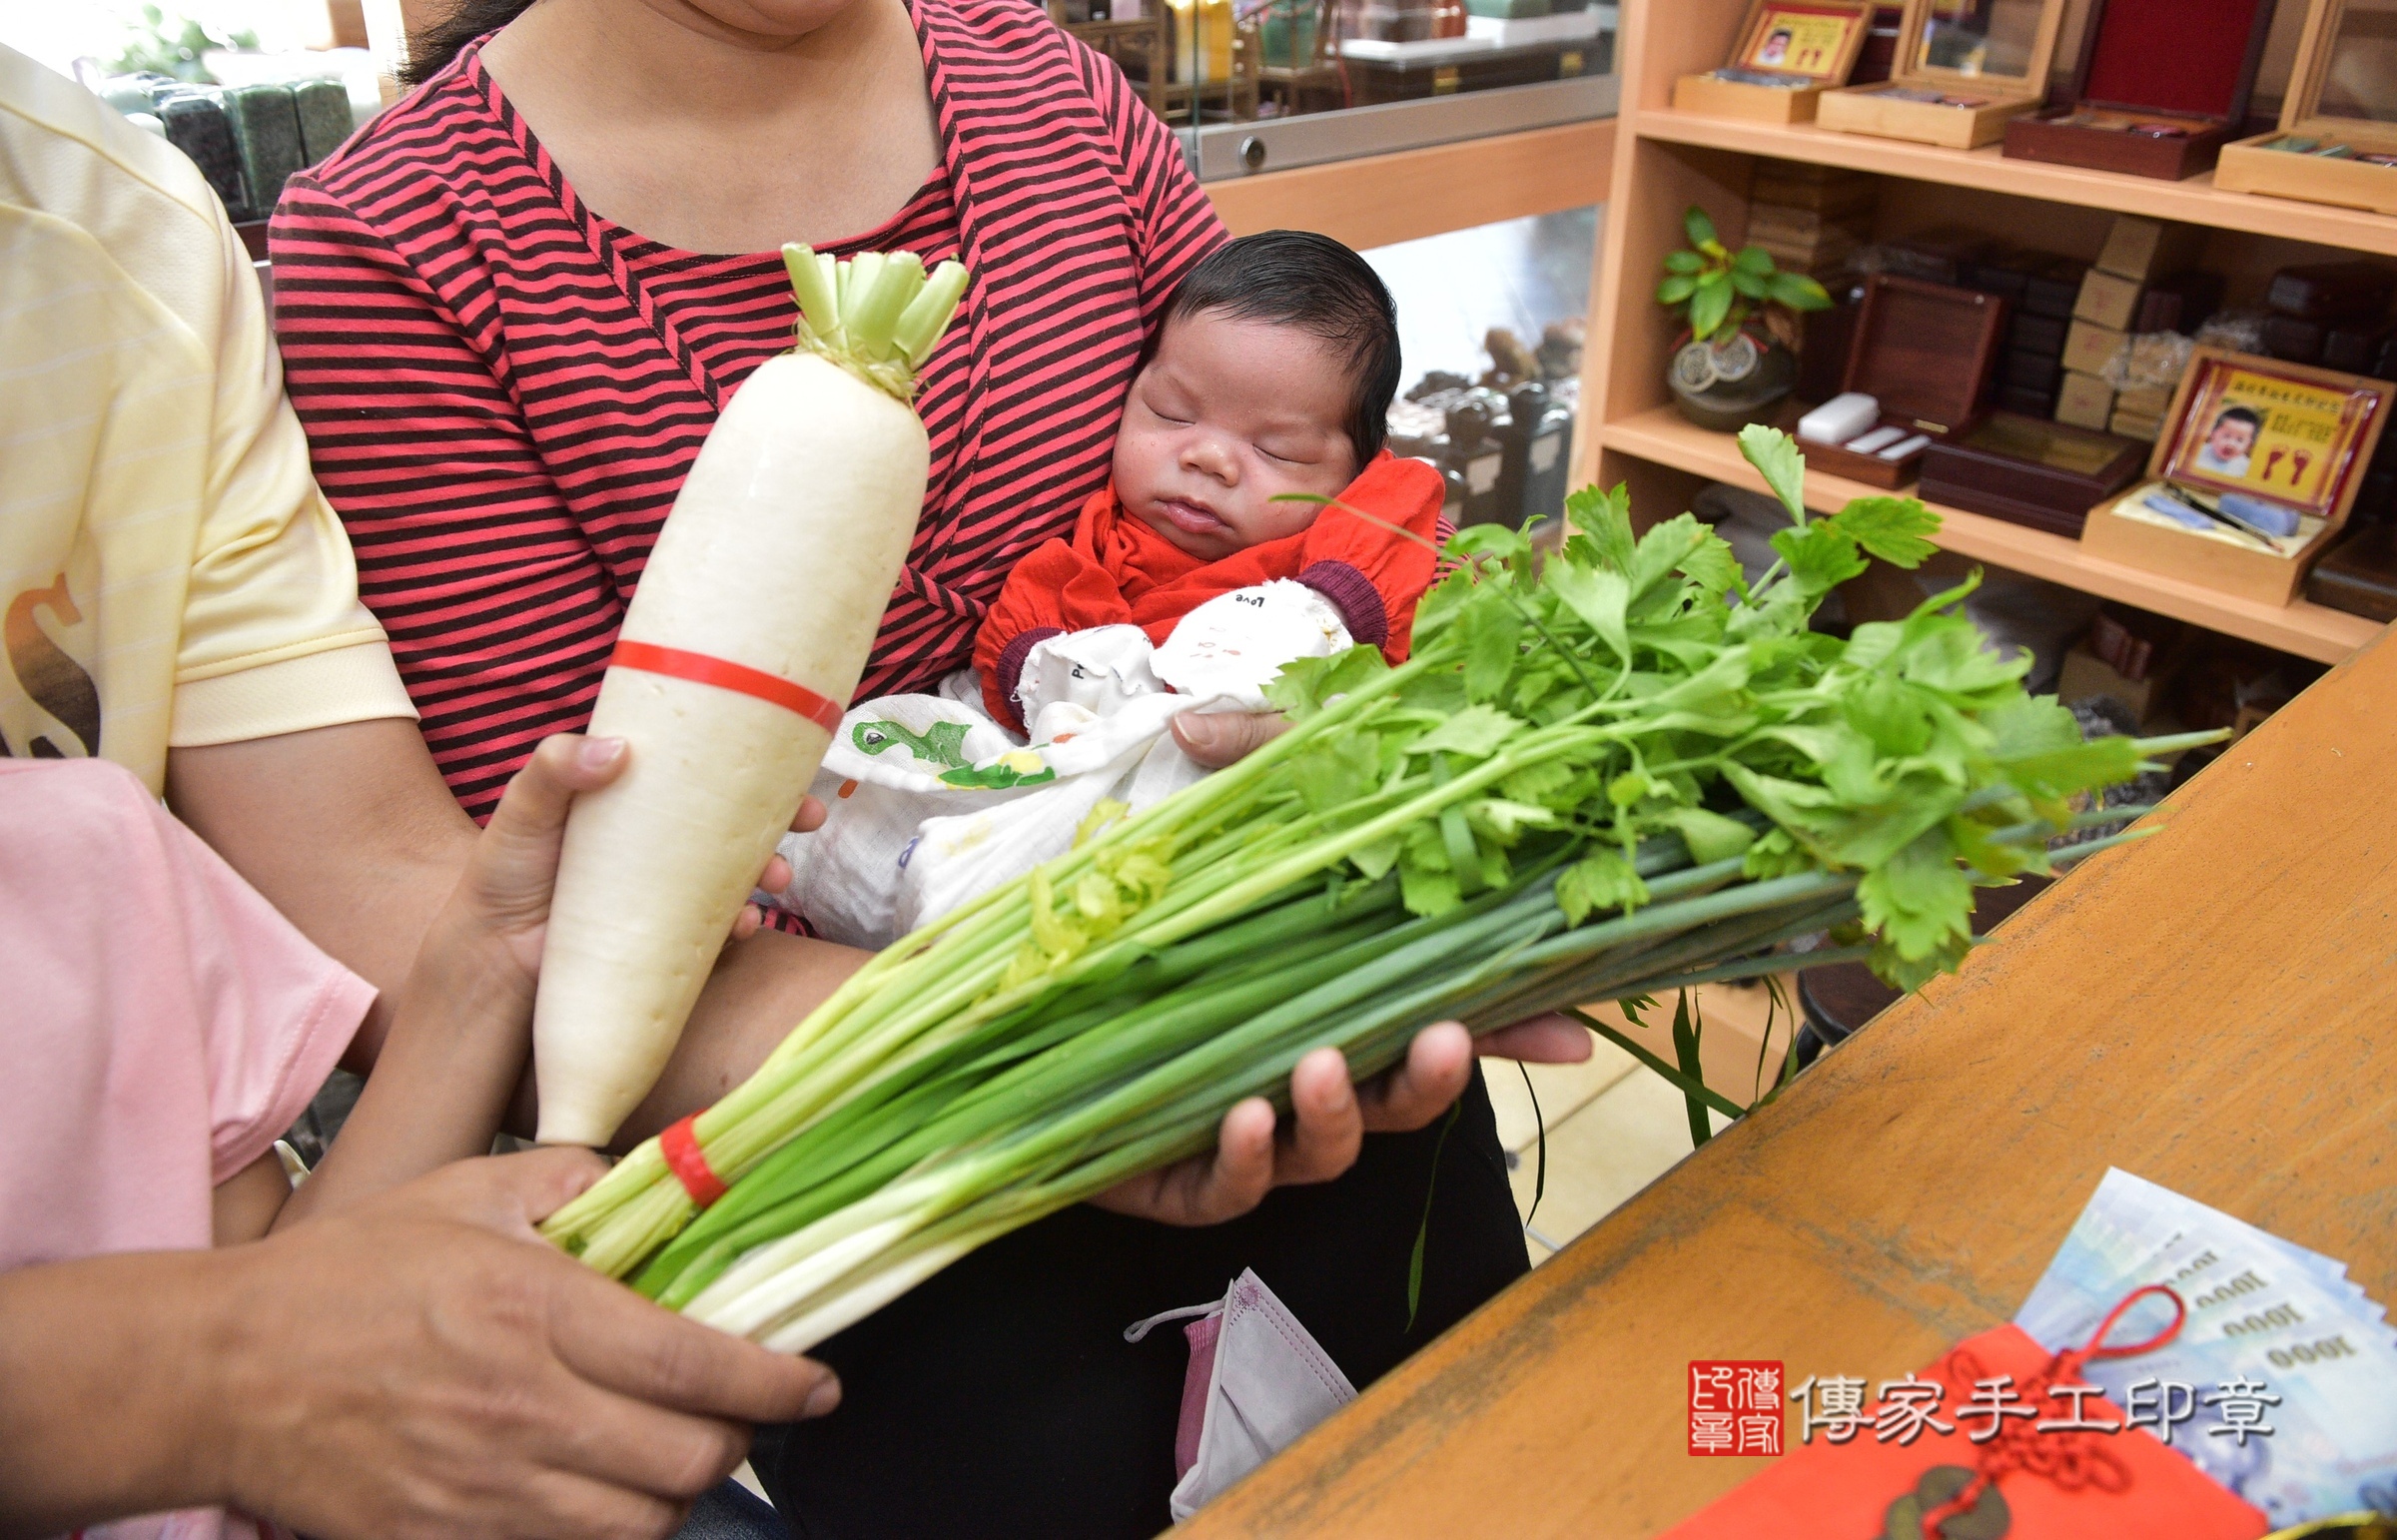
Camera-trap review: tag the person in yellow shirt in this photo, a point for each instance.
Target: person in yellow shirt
(170, 575)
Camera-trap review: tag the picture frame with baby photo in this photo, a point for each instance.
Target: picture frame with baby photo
(2255, 473)
(2263, 428)
(1786, 55)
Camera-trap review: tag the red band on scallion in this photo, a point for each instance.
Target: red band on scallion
(699, 668)
(680, 1146)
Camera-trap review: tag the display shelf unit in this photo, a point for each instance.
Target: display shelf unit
(1664, 437)
(1665, 160)
(2195, 201)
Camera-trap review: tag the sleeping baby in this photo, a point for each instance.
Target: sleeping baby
(1186, 584)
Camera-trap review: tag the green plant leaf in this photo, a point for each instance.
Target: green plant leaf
(1604, 518)
(1820, 557)
(1710, 305)
(1753, 261)
(1432, 1185)
(1713, 568)
(1675, 287)
(1600, 597)
(1919, 900)
(1748, 283)
(1897, 529)
(1710, 836)
(1682, 262)
(1798, 292)
(1600, 881)
(1699, 228)
(1476, 732)
(1685, 1050)
(1774, 455)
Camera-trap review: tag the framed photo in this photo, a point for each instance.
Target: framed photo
(1999, 42)
(1817, 38)
(2283, 433)
(2347, 69)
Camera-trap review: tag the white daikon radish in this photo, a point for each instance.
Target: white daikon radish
(739, 651)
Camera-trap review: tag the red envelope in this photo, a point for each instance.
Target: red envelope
(1845, 1490)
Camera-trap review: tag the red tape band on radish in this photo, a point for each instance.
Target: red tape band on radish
(680, 1146)
(699, 668)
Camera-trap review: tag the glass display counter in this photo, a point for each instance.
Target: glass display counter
(1272, 85)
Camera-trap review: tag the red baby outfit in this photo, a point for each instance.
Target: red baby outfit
(1117, 570)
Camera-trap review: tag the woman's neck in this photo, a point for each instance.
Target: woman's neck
(676, 122)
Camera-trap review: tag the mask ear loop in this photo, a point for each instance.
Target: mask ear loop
(1140, 1329)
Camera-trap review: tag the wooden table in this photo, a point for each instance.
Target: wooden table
(2214, 1008)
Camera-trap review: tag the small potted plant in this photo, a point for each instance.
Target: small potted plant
(1732, 364)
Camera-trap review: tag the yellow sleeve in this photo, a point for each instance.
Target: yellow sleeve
(274, 639)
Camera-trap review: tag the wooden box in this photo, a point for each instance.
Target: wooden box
(2332, 145)
(2359, 575)
(2089, 347)
(2084, 401)
(1964, 68)
(1808, 45)
(2159, 87)
(2109, 299)
(2333, 420)
(1924, 352)
(2149, 249)
(2028, 470)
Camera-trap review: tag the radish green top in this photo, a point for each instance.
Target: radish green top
(876, 316)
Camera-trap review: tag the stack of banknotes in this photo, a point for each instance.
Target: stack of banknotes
(2277, 1338)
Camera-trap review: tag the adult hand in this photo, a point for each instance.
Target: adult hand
(1254, 1152)
(513, 870)
(419, 1365)
(1218, 738)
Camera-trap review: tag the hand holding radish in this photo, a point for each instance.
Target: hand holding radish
(811, 480)
(456, 1054)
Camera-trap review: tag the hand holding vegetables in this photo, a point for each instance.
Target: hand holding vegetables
(811, 481)
(1609, 771)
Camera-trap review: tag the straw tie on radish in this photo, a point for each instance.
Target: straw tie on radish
(741, 645)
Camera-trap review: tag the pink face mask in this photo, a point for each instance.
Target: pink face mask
(1257, 1381)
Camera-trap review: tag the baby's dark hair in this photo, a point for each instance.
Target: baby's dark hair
(1296, 279)
(2246, 414)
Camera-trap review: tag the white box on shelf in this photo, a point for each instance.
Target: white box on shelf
(1558, 27)
(1431, 50)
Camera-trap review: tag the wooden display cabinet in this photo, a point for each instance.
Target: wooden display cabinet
(2344, 94)
(1665, 160)
(1965, 68)
(1810, 41)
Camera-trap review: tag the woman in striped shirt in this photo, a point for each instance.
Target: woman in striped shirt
(507, 347)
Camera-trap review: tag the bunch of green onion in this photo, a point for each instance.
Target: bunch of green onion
(1605, 772)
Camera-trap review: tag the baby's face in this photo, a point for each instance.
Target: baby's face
(2231, 440)
(1227, 415)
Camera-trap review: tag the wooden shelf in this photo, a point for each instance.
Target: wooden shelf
(2196, 201)
(1376, 200)
(2309, 630)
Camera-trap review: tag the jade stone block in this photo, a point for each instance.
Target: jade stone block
(198, 126)
(323, 118)
(266, 129)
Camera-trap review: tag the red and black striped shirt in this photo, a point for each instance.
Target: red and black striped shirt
(503, 390)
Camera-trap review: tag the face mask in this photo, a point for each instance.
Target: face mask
(1257, 1381)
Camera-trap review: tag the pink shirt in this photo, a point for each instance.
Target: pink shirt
(161, 1028)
